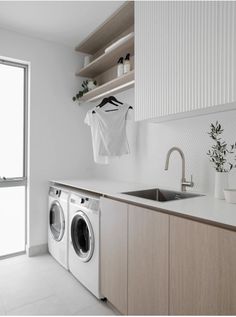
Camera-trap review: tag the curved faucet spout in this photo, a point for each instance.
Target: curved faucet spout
(184, 183)
(175, 148)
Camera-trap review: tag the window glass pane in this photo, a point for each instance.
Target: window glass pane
(12, 121)
(12, 220)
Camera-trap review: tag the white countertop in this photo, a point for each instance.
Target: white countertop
(205, 208)
(101, 186)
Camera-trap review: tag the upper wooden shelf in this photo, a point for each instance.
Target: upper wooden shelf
(113, 86)
(119, 22)
(107, 60)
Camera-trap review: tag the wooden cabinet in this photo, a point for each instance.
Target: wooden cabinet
(185, 56)
(156, 264)
(202, 269)
(147, 262)
(134, 258)
(114, 245)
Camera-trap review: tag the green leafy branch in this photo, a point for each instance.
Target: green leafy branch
(83, 91)
(220, 150)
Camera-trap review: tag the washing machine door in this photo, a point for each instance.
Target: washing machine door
(56, 221)
(82, 236)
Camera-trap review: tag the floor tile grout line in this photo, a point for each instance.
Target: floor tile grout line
(29, 303)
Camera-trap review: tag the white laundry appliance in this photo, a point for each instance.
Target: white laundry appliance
(58, 224)
(84, 236)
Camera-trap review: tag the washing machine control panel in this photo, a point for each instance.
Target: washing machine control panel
(54, 192)
(87, 202)
(84, 200)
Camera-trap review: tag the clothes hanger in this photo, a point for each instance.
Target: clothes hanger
(110, 100)
(105, 101)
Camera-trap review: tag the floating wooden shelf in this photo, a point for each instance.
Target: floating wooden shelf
(107, 60)
(103, 67)
(120, 21)
(114, 86)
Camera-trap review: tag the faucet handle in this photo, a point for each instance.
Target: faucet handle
(186, 183)
(191, 183)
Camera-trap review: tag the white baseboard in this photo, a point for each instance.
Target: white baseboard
(37, 249)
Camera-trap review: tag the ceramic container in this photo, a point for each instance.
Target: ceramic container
(91, 85)
(230, 195)
(221, 183)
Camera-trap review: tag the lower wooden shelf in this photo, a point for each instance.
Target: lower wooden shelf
(114, 86)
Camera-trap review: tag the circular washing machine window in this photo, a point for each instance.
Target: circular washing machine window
(56, 221)
(82, 236)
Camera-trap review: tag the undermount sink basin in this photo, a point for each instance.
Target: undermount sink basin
(161, 194)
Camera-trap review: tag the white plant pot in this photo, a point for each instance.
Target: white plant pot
(230, 195)
(221, 183)
(91, 85)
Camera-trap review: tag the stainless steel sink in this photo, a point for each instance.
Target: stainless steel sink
(161, 194)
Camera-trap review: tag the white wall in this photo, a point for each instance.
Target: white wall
(151, 141)
(60, 143)
(58, 138)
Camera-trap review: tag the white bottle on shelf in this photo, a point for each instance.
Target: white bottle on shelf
(127, 65)
(120, 67)
(86, 60)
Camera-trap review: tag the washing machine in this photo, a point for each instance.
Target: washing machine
(84, 236)
(58, 225)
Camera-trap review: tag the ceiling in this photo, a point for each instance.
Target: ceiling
(64, 22)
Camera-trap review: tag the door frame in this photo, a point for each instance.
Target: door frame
(21, 181)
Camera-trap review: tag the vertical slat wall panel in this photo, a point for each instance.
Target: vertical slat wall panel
(184, 56)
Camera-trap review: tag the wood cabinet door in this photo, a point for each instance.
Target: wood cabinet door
(202, 269)
(147, 262)
(114, 253)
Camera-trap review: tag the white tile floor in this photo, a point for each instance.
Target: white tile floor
(40, 286)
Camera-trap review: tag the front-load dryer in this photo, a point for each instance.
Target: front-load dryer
(58, 225)
(84, 219)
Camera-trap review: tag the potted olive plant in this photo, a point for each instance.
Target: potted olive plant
(220, 155)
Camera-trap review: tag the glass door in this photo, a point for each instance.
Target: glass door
(13, 156)
(56, 221)
(82, 236)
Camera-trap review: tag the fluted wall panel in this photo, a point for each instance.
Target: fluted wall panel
(185, 56)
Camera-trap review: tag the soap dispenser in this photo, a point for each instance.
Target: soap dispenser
(120, 67)
(127, 65)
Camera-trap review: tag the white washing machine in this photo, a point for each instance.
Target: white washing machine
(58, 225)
(84, 236)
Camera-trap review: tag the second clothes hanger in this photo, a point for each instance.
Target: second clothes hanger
(111, 100)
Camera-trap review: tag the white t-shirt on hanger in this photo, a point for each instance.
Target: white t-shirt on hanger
(108, 130)
(92, 121)
(112, 129)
